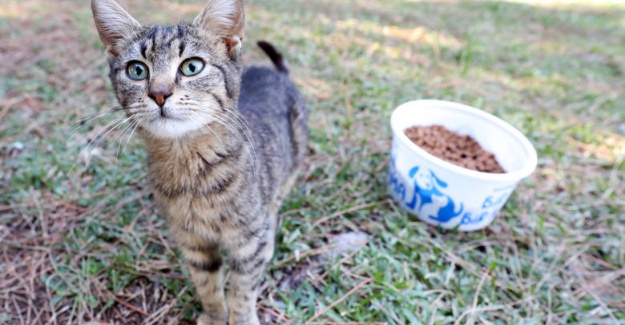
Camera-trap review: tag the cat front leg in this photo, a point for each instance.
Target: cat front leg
(248, 260)
(206, 270)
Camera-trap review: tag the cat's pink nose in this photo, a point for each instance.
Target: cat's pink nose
(159, 93)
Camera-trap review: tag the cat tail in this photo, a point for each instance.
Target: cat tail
(275, 56)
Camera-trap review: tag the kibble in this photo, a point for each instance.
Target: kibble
(461, 150)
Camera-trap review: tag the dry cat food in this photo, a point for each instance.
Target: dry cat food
(461, 150)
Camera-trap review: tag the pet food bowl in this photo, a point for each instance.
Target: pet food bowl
(446, 195)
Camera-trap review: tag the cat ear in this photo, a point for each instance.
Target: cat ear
(113, 22)
(227, 19)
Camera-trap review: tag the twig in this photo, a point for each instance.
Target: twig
(388, 312)
(7, 105)
(338, 301)
(317, 251)
(477, 292)
(348, 323)
(342, 212)
(492, 308)
(350, 255)
(128, 305)
(282, 319)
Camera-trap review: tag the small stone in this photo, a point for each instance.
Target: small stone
(346, 242)
(18, 146)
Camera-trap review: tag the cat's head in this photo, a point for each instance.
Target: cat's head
(174, 80)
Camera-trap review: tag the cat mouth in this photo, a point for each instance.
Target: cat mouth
(166, 114)
(167, 117)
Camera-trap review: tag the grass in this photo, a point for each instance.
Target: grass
(83, 243)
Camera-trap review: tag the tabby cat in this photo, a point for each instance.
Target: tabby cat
(224, 143)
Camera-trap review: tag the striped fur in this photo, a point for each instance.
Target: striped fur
(223, 150)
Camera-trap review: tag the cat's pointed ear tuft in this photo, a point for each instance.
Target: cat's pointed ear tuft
(227, 19)
(113, 22)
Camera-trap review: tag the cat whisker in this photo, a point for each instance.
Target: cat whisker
(249, 135)
(195, 114)
(237, 119)
(233, 130)
(100, 137)
(133, 125)
(222, 120)
(250, 142)
(88, 120)
(237, 126)
(130, 128)
(137, 124)
(112, 110)
(83, 153)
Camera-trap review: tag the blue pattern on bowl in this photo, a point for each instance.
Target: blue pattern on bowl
(425, 194)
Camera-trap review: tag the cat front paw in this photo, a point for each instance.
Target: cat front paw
(211, 319)
(240, 319)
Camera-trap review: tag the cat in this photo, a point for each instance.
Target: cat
(224, 143)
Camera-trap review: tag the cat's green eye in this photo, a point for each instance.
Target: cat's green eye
(191, 67)
(137, 71)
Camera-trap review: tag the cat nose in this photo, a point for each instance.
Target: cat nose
(159, 93)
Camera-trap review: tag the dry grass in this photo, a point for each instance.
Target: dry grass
(84, 243)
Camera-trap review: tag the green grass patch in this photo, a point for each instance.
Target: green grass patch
(82, 242)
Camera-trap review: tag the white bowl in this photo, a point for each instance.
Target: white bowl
(447, 195)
